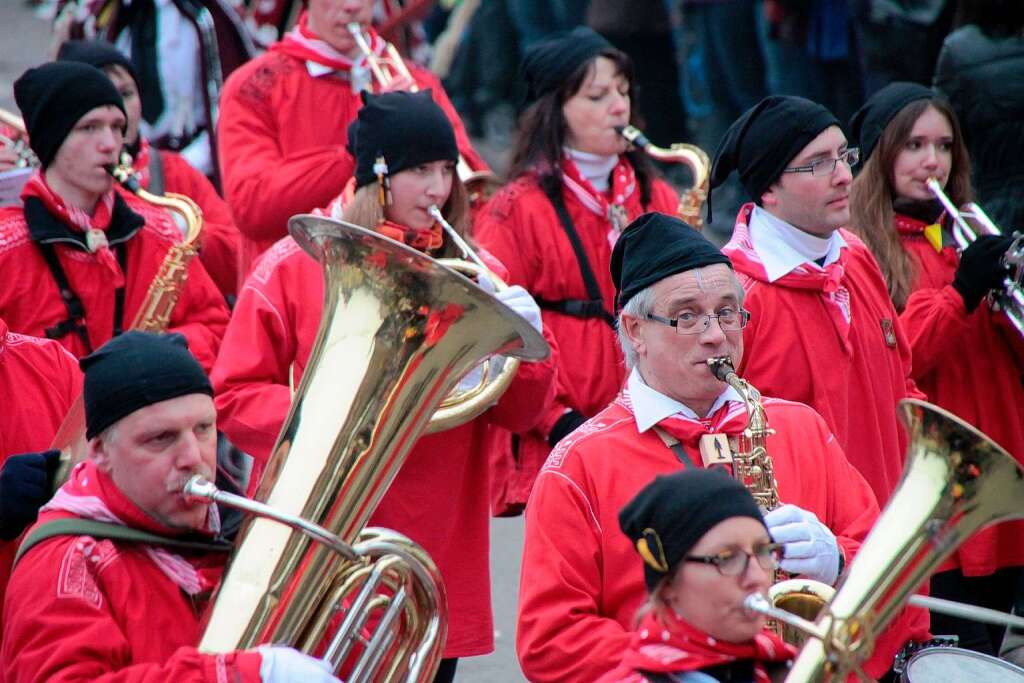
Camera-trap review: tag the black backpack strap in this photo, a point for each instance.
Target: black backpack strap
(594, 307)
(122, 260)
(75, 321)
(116, 532)
(157, 183)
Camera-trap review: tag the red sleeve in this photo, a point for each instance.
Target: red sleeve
(426, 79)
(531, 392)
(560, 635)
(664, 199)
(201, 315)
(933, 321)
(262, 187)
(221, 240)
(250, 379)
(852, 506)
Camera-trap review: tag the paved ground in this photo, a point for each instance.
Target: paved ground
(24, 41)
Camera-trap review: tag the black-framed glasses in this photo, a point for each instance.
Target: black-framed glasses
(826, 167)
(734, 562)
(729, 319)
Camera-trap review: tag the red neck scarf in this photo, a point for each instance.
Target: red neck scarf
(666, 644)
(617, 206)
(730, 418)
(302, 43)
(94, 226)
(422, 240)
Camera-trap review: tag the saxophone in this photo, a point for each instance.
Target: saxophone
(754, 469)
(691, 203)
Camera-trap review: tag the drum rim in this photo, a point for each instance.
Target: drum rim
(963, 651)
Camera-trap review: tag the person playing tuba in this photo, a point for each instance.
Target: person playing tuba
(581, 585)
(405, 151)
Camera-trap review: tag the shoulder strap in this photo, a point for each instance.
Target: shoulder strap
(673, 444)
(157, 182)
(75, 321)
(115, 532)
(594, 307)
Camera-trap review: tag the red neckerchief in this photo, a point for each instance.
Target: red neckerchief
(663, 643)
(423, 240)
(615, 205)
(829, 280)
(304, 44)
(730, 418)
(140, 162)
(94, 226)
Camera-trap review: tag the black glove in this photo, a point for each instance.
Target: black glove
(981, 269)
(564, 426)
(25, 485)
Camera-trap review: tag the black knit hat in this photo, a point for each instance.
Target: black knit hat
(54, 96)
(134, 370)
(870, 121)
(764, 140)
(671, 514)
(654, 247)
(547, 65)
(98, 53)
(405, 128)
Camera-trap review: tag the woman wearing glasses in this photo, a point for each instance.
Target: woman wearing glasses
(705, 547)
(966, 358)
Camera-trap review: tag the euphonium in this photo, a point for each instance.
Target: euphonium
(970, 222)
(397, 332)
(691, 204)
(956, 481)
(389, 67)
(18, 142)
(754, 469)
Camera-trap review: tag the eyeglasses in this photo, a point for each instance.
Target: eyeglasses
(826, 167)
(735, 562)
(696, 323)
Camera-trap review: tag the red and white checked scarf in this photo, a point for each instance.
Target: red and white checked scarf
(85, 495)
(623, 186)
(304, 44)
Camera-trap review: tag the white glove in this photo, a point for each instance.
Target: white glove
(809, 547)
(281, 664)
(520, 301)
(485, 283)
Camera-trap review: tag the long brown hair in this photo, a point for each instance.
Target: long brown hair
(873, 192)
(543, 130)
(365, 210)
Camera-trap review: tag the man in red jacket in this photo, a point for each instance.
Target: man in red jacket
(822, 329)
(581, 584)
(284, 119)
(163, 170)
(117, 592)
(78, 259)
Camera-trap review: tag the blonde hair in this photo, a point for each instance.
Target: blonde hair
(365, 210)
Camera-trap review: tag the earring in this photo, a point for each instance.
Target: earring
(380, 167)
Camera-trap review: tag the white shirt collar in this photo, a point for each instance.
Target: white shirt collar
(782, 247)
(594, 167)
(651, 407)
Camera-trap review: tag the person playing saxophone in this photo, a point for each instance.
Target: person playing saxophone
(681, 305)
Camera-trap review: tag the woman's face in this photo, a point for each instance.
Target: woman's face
(927, 153)
(700, 595)
(414, 190)
(597, 108)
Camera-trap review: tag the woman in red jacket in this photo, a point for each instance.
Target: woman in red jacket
(705, 548)
(405, 152)
(966, 358)
(574, 187)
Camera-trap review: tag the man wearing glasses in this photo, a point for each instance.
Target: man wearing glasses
(822, 329)
(680, 305)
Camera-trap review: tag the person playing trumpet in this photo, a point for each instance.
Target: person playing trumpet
(581, 586)
(284, 118)
(966, 357)
(405, 151)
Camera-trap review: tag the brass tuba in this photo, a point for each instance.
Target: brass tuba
(955, 482)
(691, 204)
(397, 332)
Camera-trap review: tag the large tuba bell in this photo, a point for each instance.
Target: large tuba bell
(956, 481)
(397, 332)
(691, 204)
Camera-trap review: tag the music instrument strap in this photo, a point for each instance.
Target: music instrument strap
(676, 447)
(579, 308)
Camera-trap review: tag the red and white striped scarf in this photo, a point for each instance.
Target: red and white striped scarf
(613, 206)
(87, 494)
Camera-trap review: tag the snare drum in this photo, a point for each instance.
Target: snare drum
(956, 665)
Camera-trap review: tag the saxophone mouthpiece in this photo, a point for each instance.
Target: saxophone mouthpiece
(720, 366)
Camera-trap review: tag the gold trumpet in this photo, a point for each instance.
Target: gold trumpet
(19, 143)
(969, 222)
(386, 69)
(691, 204)
(397, 332)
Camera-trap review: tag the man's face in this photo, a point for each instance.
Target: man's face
(329, 19)
(151, 453)
(129, 92)
(676, 364)
(78, 171)
(816, 205)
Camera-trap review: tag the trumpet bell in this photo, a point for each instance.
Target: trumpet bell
(804, 598)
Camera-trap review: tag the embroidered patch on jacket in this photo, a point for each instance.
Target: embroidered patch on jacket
(82, 563)
(889, 332)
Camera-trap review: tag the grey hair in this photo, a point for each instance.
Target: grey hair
(642, 304)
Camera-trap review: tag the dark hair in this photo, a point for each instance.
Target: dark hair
(542, 132)
(873, 192)
(994, 17)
